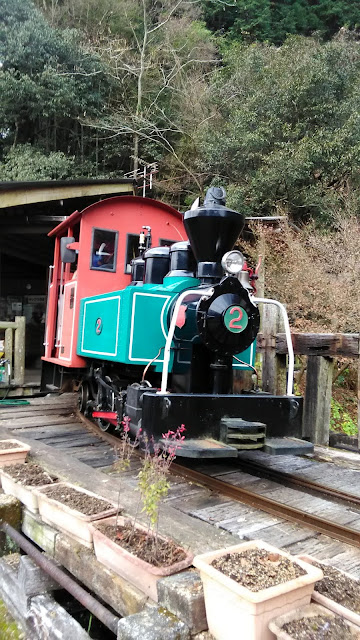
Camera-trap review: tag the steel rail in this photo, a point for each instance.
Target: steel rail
(273, 507)
(295, 481)
(94, 606)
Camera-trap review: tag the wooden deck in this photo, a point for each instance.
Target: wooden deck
(193, 515)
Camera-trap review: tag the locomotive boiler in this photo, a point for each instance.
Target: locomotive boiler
(155, 333)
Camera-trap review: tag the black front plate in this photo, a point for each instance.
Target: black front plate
(201, 413)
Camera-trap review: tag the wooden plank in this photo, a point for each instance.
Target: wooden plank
(72, 441)
(29, 412)
(284, 534)
(50, 432)
(9, 346)
(273, 365)
(358, 399)
(321, 344)
(37, 421)
(316, 421)
(19, 351)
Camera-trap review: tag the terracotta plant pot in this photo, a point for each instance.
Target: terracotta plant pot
(140, 573)
(231, 606)
(320, 598)
(72, 522)
(309, 611)
(13, 455)
(25, 493)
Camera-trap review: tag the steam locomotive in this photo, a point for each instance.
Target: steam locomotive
(155, 333)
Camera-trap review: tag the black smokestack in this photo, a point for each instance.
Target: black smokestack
(213, 230)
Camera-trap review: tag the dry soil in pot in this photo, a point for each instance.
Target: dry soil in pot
(160, 553)
(29, 474)
(258, 569)
(82, 502)
(320, 627)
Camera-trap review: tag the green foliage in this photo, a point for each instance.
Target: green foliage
(286, 134)
(48, 83)
(265, 20)
(26, 162)
(340, 420)
(153, 487)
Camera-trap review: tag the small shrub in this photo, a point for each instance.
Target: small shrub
(340, 420)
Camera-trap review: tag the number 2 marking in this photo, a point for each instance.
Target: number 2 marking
(233, 322)
(98, 326)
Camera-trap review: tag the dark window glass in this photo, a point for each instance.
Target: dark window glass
(103, 250)
(132, 250)
(166, 243)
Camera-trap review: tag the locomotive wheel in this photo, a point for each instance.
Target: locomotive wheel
(105, 425)
(83, 396)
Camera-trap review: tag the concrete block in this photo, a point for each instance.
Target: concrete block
(183, 595)
(288, 447)
(111, 588)
(47, 620)
(11, 594)
(152, 624)
(34, 581)
(40, 533)
(10, 512)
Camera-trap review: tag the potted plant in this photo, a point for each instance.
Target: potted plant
(337, 591)
(21, 479)
(12, 451)
(315, 622)
(246, 585)
(135, 552)
(71, 509)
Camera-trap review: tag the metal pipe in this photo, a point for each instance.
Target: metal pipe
(189, 292)
(85, 598)
(290, 380)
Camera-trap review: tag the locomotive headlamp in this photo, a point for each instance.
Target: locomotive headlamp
(232, 262)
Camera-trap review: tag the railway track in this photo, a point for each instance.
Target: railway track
(57, 423)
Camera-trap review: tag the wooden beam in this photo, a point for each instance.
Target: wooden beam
(316, 423)
(17, 197)
(273, 365)
(316, 344)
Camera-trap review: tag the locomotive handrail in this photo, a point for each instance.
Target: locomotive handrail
(169, 339)
(290, 380)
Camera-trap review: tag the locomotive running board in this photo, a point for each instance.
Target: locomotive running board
(204, 448)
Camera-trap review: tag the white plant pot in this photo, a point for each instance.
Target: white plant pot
(309, 611)
(320, 598)
(25, 493)
(140, 573)
(13, 455)
(233, 611)
(70, 521)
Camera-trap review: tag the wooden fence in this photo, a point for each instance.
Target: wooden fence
(14, 350)
(321, 349)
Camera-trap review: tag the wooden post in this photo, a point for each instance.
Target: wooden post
(316, 423)
(9, 347)
(358, 399)
(273, 365)
(19, 352)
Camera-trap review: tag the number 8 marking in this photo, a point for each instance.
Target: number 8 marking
(233, 323)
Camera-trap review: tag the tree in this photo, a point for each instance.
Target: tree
(47, 83)
(161, 51)
(265, 20)
(286, 133)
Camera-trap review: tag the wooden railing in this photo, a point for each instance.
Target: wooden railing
(321, 349)
(14, 348)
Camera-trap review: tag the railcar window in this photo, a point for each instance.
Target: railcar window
(103, 250)
(132, 250)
